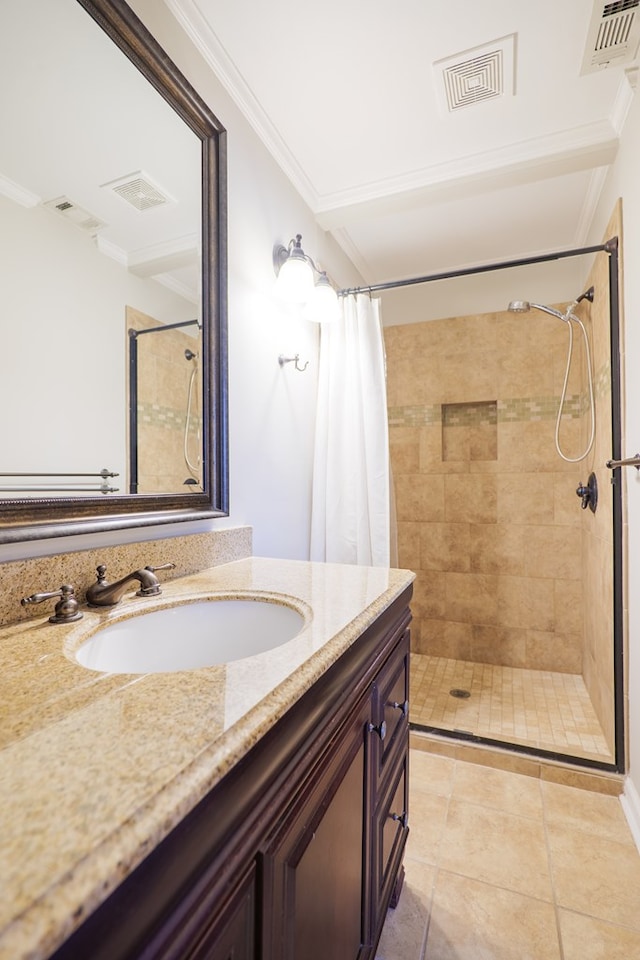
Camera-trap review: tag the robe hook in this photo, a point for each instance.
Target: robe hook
(295, 360)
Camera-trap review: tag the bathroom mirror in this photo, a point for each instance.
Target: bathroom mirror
(112, 219)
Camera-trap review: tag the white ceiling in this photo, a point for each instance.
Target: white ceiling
(76, 125)
(346, 96)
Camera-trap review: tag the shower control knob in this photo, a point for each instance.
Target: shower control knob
(589, 493)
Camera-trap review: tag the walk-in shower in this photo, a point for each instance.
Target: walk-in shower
(568, 317)
(165, 407)
(517, 632)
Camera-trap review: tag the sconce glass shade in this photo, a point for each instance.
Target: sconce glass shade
(323, 306)
(295, 275)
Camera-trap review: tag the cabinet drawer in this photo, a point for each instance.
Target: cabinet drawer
(391, 829)
(391, 708)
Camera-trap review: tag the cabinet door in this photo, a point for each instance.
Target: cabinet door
(215, 927)
(317, 864)
(234, 938)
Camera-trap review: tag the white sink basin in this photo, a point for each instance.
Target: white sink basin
(197, 634)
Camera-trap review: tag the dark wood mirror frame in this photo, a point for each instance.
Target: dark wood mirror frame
(33, 519)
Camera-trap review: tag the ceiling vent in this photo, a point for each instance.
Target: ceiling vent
(78, 215)
(614, 34)
(139, 190)
(482, 73)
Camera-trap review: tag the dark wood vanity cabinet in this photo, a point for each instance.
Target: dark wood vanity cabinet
(297, 853)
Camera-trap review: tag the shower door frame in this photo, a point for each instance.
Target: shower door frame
(611, 248)
(133, 335)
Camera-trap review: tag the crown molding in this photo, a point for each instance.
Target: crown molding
(589, 146)
(164, 256)
(205, 40)
(622, 102)
(344, 240)
(589, 205)
(580, 148)
(178, 287)
(14, 191)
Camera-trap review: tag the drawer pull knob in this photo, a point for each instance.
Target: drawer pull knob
(404, 707)
(402, 818)
(381, 729)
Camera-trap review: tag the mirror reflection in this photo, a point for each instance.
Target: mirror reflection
(100, 225)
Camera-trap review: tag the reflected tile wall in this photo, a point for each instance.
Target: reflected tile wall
(163, 389)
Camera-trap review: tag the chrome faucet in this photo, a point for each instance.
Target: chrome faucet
(103, 594)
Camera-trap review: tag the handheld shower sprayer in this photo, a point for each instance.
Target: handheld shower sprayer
(523, 306)
(190, 356)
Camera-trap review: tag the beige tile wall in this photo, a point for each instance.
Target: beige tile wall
(487, 511)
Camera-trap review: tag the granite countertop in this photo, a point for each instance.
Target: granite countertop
(97, 768)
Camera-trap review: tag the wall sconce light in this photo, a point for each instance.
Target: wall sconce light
(301, 281)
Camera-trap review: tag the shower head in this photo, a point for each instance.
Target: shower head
(190, 355)
(523, 306)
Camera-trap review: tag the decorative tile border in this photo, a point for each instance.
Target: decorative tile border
(415, 415)
(154, 414)
(518, 410)
(483, 413)
(539, 408)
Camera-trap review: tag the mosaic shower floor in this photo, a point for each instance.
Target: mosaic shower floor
(535, 708)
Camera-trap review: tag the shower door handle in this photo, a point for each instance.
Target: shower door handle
(629, 462)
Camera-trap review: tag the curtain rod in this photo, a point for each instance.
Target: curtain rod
(163, 326)
(469, 271)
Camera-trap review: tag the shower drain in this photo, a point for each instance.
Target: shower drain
(461, 694)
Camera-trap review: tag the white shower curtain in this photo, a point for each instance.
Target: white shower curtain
(350, 510)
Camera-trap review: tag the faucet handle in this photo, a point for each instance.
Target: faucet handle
(163, 566)
(66, 609)
(150, 585)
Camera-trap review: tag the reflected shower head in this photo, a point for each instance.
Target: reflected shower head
(519, 306)
(190, 355)
(523, 306)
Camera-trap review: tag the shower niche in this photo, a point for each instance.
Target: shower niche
(470, 431)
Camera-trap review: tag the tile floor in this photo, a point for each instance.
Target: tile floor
(548, 710)
(501, 866)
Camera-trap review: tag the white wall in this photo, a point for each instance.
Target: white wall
(623, 182)
(271, 410)
(64, 342)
